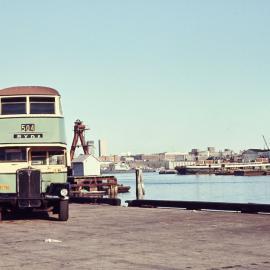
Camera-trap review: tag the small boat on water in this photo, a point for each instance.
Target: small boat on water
(122, 188)
(168, 172)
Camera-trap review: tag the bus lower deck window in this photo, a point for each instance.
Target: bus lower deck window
(12, 154)
(38, 158)
(56, 158)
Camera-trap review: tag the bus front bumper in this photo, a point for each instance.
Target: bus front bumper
(42, 201)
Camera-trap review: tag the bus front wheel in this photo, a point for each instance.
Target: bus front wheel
(63, 210)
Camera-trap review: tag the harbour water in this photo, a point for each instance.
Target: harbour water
(242, 189)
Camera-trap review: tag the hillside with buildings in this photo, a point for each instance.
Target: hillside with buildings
(169, 160)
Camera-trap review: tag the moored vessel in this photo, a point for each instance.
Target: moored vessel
(225, 168)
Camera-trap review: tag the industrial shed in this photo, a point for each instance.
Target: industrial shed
(86, 165)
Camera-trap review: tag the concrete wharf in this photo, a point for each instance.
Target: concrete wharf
(107, 237)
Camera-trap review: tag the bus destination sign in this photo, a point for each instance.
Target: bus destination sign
(28, 136)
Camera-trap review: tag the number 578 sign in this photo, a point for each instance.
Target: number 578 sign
(27, 127)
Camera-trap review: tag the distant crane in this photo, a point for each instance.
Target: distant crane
(266, 144)
(79, 130)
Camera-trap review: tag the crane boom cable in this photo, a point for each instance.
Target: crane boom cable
(266, 144)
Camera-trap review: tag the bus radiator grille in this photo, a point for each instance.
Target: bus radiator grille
(28, 188)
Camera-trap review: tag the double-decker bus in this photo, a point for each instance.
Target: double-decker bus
(33, 151)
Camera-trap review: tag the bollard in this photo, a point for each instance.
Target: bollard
(140, 192)
(113, 191)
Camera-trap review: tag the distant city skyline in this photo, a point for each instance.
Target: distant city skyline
(148, 76)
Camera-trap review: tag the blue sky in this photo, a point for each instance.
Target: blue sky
(147, 76)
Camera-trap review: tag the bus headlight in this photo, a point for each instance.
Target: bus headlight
(64, 192)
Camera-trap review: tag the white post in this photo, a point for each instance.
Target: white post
(140, 192)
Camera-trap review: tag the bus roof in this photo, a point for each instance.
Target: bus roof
(28, 90)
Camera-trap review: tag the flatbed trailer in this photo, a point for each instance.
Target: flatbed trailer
(93, 186)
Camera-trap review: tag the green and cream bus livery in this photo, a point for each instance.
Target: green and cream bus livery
(33, 151)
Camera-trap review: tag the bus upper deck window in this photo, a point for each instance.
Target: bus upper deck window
(13, 105)
(42, 105)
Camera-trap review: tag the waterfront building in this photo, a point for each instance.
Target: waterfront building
(252, 154)
(112, 159)
(176, 156)
(127, 159)
(85, 165)
(91, 147)
(194, 152)
(211, 149)
(151, 157)
(103, 148)
(138, 157)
